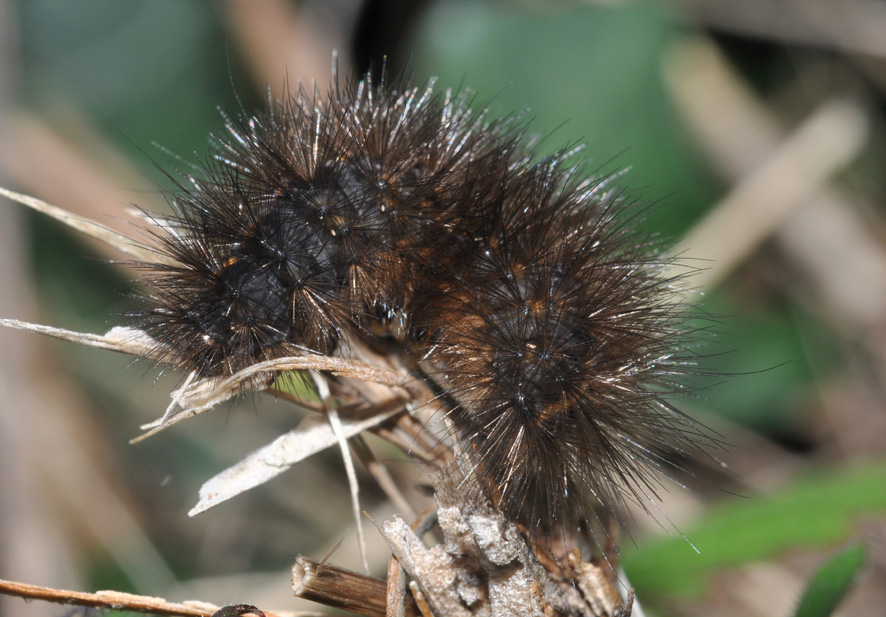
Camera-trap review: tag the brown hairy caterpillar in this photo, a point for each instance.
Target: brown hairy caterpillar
(418, 263)
(389, 218)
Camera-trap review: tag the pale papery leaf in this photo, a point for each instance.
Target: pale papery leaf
(314, 434)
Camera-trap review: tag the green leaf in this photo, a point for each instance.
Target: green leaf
(832, 581)
(295, 384)
(816, 510)
(595, 68)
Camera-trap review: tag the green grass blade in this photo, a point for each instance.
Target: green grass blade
(832, 582)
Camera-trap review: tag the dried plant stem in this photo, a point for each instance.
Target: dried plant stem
(108, 600)
(850, 26)
(338, 430)
(830, 236)
(395, 591)
(119, 601)
(382, 477)
(339, 588)
(88, 227)
(759, 204)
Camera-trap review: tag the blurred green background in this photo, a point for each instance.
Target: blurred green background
(98, 98)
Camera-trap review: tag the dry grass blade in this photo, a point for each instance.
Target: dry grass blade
(755, 208)
(90, 228)
(202, 395)
(122, 339)
(833, 236)
(850, 26)
(313, 435)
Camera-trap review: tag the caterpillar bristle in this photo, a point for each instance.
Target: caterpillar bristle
(387, 213)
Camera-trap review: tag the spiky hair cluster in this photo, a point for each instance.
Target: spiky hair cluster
(400, 219)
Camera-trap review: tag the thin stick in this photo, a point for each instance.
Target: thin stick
(420, 600)
(108, 599)
(395, 592)
(849, 26)
(345, 589)
(91, 228)
(119, 601)
(826, 142)
(335, 423)
(382, 477)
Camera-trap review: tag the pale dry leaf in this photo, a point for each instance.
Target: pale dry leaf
(311, 436)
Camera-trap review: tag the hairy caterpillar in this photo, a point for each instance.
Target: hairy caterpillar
(405, 252)
(397, 219)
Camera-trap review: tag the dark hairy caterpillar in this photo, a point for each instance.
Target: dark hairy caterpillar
(397, 219)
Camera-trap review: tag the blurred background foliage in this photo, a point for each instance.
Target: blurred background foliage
(100, 100)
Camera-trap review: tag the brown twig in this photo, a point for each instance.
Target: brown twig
(108, 599)
(395, 591)
(120, 601)
(340, 588)
(382, 476)
(849, 26)
(281, 39)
